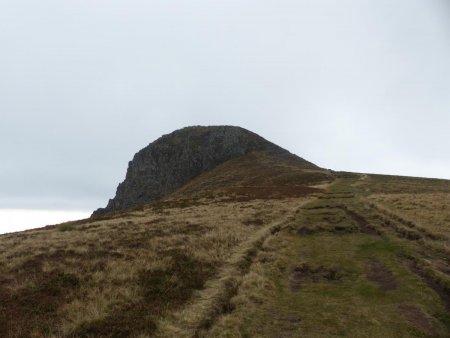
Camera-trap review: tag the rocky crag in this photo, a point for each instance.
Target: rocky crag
(174, 159)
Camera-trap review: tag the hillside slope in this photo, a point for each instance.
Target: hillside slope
(120, 274)
(358, 261)
(174, 159)
(258, 246)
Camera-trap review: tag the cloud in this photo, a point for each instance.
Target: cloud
(351, 85)
(12, 220)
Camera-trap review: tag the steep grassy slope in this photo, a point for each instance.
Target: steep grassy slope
(257, 247)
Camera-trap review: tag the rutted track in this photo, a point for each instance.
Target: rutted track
(390, 217)
(214, 300)
(343, 213)
(376, 220)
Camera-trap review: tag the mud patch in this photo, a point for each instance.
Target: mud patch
(304, 273)
(255, 221)
(376, 272)
(416, 317)
(156, 220)
(443, 293)
(287, 325)
(338, 230)
(364, 226)
(318, 207)
(337, 196)
(304, 231)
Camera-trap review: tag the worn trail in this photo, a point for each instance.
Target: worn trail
(337, 262)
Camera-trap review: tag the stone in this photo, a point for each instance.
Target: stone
(174, 159)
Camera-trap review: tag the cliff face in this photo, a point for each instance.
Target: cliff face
(174, 159)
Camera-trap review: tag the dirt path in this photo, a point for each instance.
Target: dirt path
(214, 300)
(333, 270)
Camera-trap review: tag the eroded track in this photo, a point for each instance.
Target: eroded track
(345, 262)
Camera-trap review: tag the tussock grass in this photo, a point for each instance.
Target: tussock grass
(215, 299)
(228, 256)
(365, 297)
(428, 212)
(316, 280)
(98, 277)
(386, 184)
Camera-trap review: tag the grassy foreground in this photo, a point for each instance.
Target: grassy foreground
(345, 269)
(364, 256)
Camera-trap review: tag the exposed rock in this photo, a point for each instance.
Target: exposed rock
(172, 160)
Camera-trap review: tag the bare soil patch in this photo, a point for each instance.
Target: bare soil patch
(304, 231)
(362, 222)
(415, 316)
(376, 272)
(337, 229)
(438, 288)
(254, 221)
(304, 273)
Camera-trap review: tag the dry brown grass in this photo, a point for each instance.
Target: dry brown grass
(386, 184)
(428, 210)
(232, 254)
(259, 175)
(326, 275)
(132, 272)
(236, 274)
(111, 259)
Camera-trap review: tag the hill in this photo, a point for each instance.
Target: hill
(263, 244)
(174, 159)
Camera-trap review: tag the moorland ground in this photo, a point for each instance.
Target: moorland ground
(304, 253)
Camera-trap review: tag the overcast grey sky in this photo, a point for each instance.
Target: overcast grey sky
(357, 85)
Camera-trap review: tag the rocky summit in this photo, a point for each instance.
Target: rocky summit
(254, 242)
(174, 159)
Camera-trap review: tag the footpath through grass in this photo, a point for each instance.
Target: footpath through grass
(336, 271)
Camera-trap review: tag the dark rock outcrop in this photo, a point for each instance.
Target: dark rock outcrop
(172, 160)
